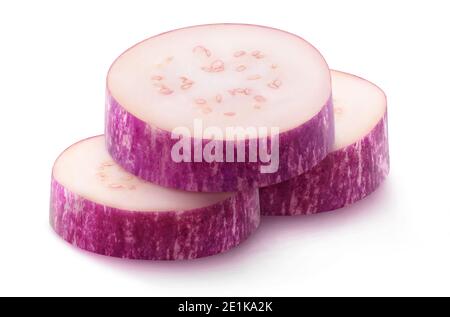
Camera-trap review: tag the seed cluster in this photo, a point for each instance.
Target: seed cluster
(121, 180)
(215, 66)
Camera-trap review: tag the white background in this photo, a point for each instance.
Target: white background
(53, 60)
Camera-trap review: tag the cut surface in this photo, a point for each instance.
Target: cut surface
(358, 106)
(86, 169)
(225, 74)
(356, 167)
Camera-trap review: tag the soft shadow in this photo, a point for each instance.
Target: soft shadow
(261, 242)
(376, 204)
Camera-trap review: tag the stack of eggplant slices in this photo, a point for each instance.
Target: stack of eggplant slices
(207, 129)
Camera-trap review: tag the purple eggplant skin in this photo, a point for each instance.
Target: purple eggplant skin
(345, 176)
(166, 235)
(145, 151)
